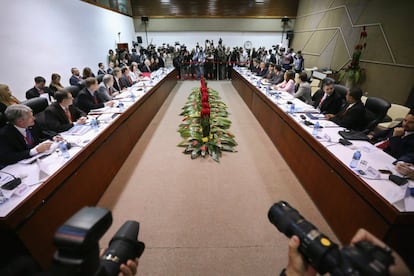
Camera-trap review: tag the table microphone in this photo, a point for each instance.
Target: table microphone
(11, 184)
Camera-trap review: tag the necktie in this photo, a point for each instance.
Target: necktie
(110, 91)
(383, 144)
(322, 100)
(68, 115)
(28, 138)
(95, 100)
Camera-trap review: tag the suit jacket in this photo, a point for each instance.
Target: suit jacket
(124, 82)
(304, 93)
(262, 73)
(276, 79)
(13, 147)
(103, 93)
(101, 72)
(85, 101)
(352, 118)
(56, 120)
(399, 147)
(331, 105)
(32, 93)
(74, 80)
(145, 68)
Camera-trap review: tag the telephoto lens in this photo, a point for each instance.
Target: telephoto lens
(318, 249)
(123, 246)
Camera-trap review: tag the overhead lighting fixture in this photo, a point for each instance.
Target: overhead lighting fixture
(260, 1)
(165, 1)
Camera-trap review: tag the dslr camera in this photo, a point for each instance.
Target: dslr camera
(78, 249)
(363, 258)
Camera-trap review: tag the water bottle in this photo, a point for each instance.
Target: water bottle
(292, 109)
(132, 96)
(94, 124)
(267, 89)
(355, 159)
(277, 96)
(64, 150)
(258, 83)
(315, 128)
(121, 106)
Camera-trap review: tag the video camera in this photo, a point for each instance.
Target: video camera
(363, 258)
(78, 249)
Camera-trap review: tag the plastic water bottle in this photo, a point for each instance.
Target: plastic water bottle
(94, 124)
(292, 109)
(121, 106)
(64, 150)
(258, 83)
(267, 89)
(355, 159)
(315, 129)
(132, 96)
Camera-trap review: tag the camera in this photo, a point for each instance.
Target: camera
(363, 258)
(78, 249)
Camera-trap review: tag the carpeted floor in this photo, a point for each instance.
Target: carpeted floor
(199, 217)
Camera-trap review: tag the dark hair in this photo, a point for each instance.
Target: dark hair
(55, 77)
(100, 64)
(87, 72)
(123, 70)
(327, 81)
(61, 95)
(356, 93)
(290, 75)
(278, 67)
(39, 79)
(90, 81)
(303, 76)
(272, 64)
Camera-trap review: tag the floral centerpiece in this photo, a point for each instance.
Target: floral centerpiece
(353, 73)
(205, 124)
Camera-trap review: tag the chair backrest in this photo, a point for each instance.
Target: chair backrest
(99, 78)
(397, 112)
(376, 110)
(341, 90)
(37, 104)
(3, 119)
(73, 89)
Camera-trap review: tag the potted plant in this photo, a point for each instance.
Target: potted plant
(352, 73)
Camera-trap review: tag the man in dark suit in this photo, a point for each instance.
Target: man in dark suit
(62, 114)
(352, 115)
(101, 70)
(38, 89)
(87, 98)
(21, 138)
(117, 75)
(326, 99)
(75, 79)
(399, 140)
(125, 80)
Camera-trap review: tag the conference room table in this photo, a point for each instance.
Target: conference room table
(347, 198)
(55, 186)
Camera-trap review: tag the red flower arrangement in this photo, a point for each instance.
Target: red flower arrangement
(352, 72)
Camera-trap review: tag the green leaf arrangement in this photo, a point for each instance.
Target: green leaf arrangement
(205, 133)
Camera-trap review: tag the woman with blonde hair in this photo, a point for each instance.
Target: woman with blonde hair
(55, 84)
(6, 97)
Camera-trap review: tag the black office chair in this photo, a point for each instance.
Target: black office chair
(375, 111)
(341, 90)
(73, 89)
(37, 104)
(99, 78)
(3, 119)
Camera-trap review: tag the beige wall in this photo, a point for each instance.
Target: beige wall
(327, 31)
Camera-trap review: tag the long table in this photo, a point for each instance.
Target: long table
(345, 200)
(84, 178)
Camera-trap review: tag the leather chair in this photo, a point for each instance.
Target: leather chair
(3, 119)
(375, 111)
(341, 90)
(99, 78)
(37, 104)
(73, 89)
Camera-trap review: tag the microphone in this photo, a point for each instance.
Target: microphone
(11, 184)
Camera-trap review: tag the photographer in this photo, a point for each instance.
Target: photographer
(297, 266)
